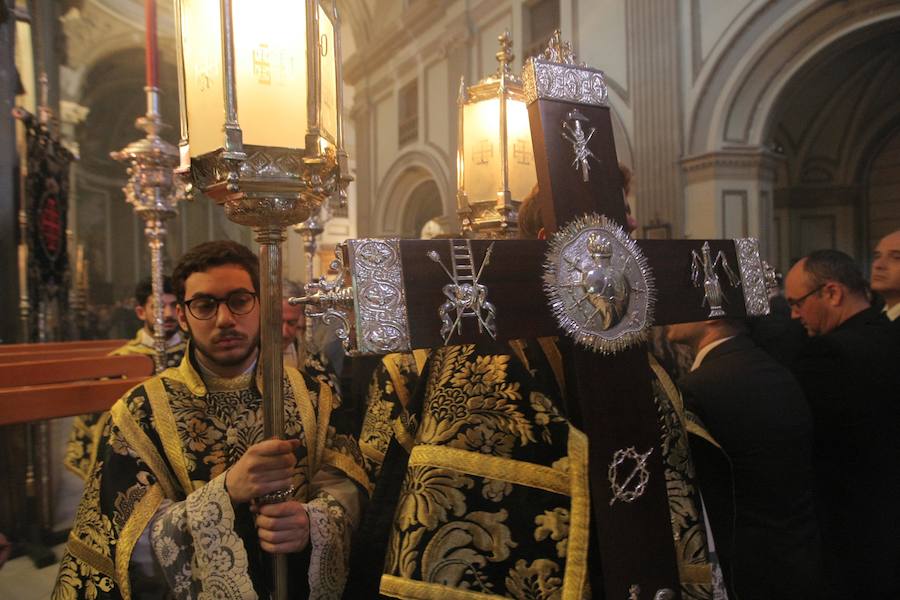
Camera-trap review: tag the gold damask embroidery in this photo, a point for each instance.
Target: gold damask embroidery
(91, 557)
(492, 467)
(429, 494)
(304, 406)
(537, 581)
(349, 466)
(135, 525)
(460, 548)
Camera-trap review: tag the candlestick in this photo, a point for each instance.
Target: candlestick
(150, 52)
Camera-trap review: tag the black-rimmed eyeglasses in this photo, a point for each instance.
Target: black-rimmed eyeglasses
(797, 303)
(204, 308)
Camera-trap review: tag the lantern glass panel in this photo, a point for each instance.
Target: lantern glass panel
(201, 39)
(328, 70)
(270, 72)
(481, 149)
(522, 173)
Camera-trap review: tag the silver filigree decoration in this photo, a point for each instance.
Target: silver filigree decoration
(569, 83)
(382, 324)
(331, 301)
(466, 297)
(753, 276)
(635, 483)
(599, 284)
(704, 273)
(574, 133)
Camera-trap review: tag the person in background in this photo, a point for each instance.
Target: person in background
(849, 375)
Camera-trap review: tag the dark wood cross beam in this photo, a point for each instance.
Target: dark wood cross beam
(409, 294)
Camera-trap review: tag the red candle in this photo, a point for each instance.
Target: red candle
(150, 53)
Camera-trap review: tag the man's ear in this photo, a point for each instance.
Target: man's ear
(836, 293)
(182, 318)
(140, 312)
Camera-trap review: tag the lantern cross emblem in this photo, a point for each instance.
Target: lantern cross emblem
(483, 152)
(520, 153)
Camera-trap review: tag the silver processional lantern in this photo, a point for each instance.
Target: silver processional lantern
(261, 134)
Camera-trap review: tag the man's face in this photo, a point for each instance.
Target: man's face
(886, 266)
(808, 301)
(170, 321)
(227, 343)
(293, 321)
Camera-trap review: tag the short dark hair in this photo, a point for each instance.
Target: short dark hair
(833, 265)
(207, 255)
(144, 289)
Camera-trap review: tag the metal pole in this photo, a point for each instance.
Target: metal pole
(271, 360)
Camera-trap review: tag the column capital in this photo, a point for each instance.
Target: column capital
(747, 162)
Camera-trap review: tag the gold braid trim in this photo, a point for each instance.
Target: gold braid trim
(393, 369)
(96, 431)
(579, 517)
(421, 357)
(402, 435)
(167, 429)
(91, 557)
(307, 418)
(370, 452)
(142, 445)
(492, 467)
(398, 587)
(323, 417)
(518, 348)
(187, 374)
(350, 468)
(695, 574)
(668, 386)
(554, 357)
(128, 537)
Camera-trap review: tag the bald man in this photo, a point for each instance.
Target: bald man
(849, 374)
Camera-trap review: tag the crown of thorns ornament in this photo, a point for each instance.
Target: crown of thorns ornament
(635, 483)
(599, 285)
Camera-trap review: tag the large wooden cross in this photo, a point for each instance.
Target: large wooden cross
(408, 294)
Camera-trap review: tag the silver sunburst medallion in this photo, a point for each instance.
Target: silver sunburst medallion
(599, 285)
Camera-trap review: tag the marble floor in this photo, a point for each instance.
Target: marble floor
(20, 580)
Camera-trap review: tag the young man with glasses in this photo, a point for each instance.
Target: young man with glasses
(172, 504)
(849, 374)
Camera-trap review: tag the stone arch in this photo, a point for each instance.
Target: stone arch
(395, 192)
(740, 89)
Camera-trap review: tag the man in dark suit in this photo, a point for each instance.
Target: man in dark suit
(757, 481)
(850, 373)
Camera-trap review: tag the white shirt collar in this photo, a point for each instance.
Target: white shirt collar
(705, 350)
(892, 312)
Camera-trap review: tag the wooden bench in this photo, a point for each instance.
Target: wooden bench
(49, 389)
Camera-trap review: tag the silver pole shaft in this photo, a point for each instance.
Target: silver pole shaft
(271, 360)
(155, 231)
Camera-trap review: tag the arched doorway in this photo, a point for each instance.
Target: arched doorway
(422, 205)
(836, 126)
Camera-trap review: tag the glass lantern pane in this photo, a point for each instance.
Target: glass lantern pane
(522, 173)
(202, 42)
(327, 67)
(481, 149)
(270, 69)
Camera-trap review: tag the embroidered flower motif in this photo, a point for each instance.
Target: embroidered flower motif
(200, 435)
(486, 441)
(429, 494)
(495, 489)
(555, 525)
(166, 551)
(534, 582)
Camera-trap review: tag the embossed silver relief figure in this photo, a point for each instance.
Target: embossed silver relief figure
(574, 133)
(599, 285)
(466, 297)
(703, 273)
